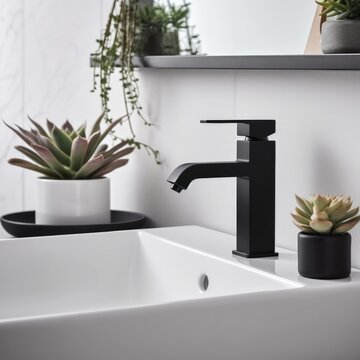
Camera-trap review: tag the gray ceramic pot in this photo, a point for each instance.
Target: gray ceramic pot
(340, 36)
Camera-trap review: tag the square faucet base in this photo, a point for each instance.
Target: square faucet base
(240, 253)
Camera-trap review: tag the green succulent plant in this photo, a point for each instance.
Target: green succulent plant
(153, 18)
(168, 20)
(342, 9)
(68, 153)
(325, 214)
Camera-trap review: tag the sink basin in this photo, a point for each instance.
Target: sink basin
(71, 274)
(170, 293)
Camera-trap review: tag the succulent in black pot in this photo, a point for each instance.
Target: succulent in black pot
(324, 244)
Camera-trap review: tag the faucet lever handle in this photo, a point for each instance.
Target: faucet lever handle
(254, 129)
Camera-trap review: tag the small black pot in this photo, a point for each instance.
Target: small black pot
(171, 43)
(151, 43)
(324, 256)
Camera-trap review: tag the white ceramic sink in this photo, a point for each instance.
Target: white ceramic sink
(165, 294)
(82, 273)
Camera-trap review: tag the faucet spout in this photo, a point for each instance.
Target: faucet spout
(184, 174)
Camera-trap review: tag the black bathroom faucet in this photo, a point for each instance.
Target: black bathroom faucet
(255, 173)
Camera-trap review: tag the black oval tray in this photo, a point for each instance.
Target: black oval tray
(22, 224)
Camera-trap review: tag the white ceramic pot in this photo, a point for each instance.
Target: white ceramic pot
(73, 202)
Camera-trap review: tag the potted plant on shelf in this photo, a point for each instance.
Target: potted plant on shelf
(341, 26)
(158, 28)
(73, 189)
(152, 22)
(324, 244)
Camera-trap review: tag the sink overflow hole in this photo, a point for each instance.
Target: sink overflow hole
(204, 282)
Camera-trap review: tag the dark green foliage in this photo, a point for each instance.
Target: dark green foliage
(342, 9)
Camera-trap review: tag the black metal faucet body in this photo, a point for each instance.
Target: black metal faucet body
(255, 173)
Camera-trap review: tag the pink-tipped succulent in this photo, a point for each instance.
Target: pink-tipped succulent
(321, 214)
(67, 153)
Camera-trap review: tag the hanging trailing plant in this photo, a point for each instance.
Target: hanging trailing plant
(122, 38)
(116, 47)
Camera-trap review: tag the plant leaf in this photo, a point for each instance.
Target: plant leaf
(123, 153)
(120, 154)
(93, 144)
(30, 166)
(350, 214)
(305, 228)
(81, 131)
(62, 140)
(335, 205)
(303, 205)
(96, 126)
(28, 134)
(59, 154)
(19, 134)
(101, 149)
(115, 157)
(39, 128)
(341, 213)
(115, 148)
(110, 167)
(67, 126)
(321, 202)
(49, 125)
(78, 153)
(31, 154)
(345, 226)
(107, 131)
(53, 162)
(321, 226)
(300, 219)
(73, 135)
(302, 213)
(90, 167)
